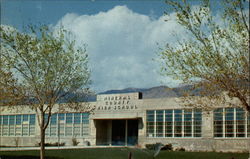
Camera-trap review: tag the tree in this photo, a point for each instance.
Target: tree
(47, 66)
(215, 57)
(10, 92)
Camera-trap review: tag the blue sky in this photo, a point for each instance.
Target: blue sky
(122, 36)
(21, 12)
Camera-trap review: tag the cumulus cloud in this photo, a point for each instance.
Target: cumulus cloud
(121, 46)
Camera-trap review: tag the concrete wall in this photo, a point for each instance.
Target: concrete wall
(202, 144)
(131, 109)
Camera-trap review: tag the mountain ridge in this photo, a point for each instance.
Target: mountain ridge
(158, 91)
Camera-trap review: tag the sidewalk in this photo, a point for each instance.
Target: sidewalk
(55, 147)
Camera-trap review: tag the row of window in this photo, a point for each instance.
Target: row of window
(174, 123)
(63, 124)
(231, 122)
(228, 122)
(68, 124)
(17, 125)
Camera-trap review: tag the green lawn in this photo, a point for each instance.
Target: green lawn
(118, 153)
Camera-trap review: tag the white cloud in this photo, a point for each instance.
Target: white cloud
(121, 46)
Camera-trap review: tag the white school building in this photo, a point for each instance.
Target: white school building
(129, 120)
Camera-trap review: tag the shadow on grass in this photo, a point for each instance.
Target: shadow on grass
(27, 157)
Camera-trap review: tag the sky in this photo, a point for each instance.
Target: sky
(123, 37)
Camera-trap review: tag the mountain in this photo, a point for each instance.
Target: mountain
(147, 93)
(154, 92)
(126, 90)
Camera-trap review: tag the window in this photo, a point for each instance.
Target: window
(61, 125)
(218, 122)
(11, 125)
(197, 122)
(248, 125)
(32, 119)
(66, 124)
(1, 119)
(230, 122)
(53, 120)
(169, 123)
(32, 122)
(85, 118)
(53, 125)
(240, 122)
(61, 117)
(150, 123)
(159, 123)
(69, 124)
(47, 131)
(188, 123)
(25, 118)
(12, 120)
(18, 119)
(5, 125)
(174, 123)
(77, 124)
(77, 118)
(69, 118)
(177, 123)
(17, 125)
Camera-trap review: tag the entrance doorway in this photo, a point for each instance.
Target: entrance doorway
(117, 132)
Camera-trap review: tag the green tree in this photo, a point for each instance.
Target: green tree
(216, 55)
(10, 92)
(47, 66)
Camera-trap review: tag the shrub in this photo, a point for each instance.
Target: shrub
(53, 144)
(16, 140)
(180, 149)
(75, 142)
(86, 143)
(150, 146)
(167, 147)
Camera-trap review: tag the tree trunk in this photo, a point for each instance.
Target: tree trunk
(243, 101)
(42, 147)
(42, 137)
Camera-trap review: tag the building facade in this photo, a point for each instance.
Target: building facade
(128, 120)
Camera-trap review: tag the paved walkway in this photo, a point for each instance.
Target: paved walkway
(55, 147)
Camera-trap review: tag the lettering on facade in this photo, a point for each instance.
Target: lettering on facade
(116, 102)
(127, 107)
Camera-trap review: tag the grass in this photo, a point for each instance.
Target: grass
(117, 153)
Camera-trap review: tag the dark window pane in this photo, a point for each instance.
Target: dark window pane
(77, 118)
(177, 123)
(53, 120)
(85, 118)
(25, 117)
(12, 119)
(218, 122)
(5, 120)
(69, 118)
(32, 119)
(18, 119)
(61, 116)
